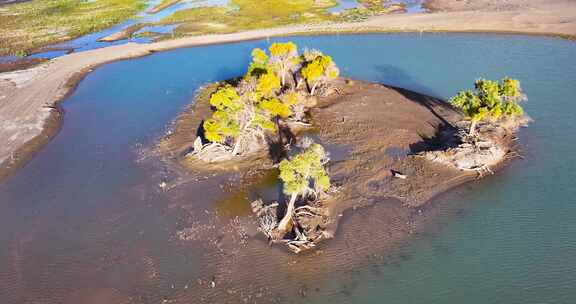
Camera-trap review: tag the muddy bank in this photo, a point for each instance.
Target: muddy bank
(20, 64)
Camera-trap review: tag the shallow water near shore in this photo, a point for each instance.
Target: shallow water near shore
(85, 220)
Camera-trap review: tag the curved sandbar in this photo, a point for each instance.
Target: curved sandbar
(29, 116)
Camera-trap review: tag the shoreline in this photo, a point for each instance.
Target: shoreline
(52, 125)
(26, 94)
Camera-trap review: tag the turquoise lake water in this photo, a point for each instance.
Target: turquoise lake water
(73, 219)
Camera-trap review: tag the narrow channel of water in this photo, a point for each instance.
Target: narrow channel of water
(85, 220)
(91, 41)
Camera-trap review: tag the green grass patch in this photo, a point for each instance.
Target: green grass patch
(250, 14)
(241, 15)
(29, 25)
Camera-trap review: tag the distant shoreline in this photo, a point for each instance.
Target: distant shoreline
(30, 115)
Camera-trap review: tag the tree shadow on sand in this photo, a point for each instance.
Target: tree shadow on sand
(444, 137)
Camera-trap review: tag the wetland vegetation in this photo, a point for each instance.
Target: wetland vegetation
(241, 15)
(28, 25)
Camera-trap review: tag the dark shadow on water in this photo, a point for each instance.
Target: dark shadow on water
(397, 79)
(232, 74)
(237, 201)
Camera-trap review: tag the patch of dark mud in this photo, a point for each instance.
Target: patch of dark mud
(20, 64)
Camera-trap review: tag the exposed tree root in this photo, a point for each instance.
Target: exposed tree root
(481, 151)
(474, 153)
(307, 229)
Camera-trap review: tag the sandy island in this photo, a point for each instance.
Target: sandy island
(387, 210)
(29, 112)
(369, 129)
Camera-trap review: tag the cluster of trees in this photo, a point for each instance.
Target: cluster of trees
(279, 85)
(270, 91)
(490, 101)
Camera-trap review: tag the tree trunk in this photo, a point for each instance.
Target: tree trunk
(236, 146)
(277, 121)
(296, 82)
(314, 88)
(286, 222)
(472, 130)
(239, 139)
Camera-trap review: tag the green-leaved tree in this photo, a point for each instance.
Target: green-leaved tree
(302, 175)
(319, 70)
(285, 57)
(259, 64)
(275, 107)
(224, 126)
(267, 84)
(491, 100)
(267, 110)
